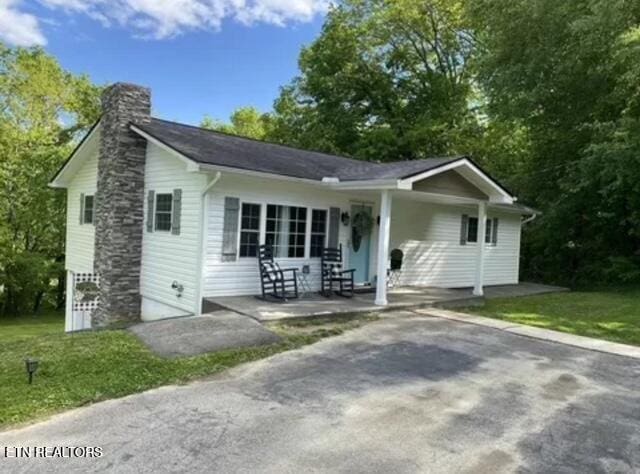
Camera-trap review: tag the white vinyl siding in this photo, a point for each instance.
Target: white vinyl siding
(429, 236)
(167, 257)
(80, 237)
(241, 277)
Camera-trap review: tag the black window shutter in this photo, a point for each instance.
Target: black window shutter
(230, 229)
(151, 197)
(464, 228)
(494, 232)
(81, 208)
(176, 211)
(334, 227)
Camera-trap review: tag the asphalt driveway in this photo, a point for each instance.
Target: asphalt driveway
(413, 394)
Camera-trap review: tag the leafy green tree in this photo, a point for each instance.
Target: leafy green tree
(568, 73)
(43, 109)
(384, 81)
(245, 121)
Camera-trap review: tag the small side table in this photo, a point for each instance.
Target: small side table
(303, 280)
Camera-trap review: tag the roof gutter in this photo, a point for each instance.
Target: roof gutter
(368, 184)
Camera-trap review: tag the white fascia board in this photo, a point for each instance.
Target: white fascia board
(502, 197)
(73, 163)
(370, 185)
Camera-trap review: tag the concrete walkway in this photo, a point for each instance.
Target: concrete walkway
(207, 333)
(537, 333)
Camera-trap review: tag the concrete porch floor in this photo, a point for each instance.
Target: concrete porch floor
(313, 304)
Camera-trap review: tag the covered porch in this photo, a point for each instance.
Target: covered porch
(445, 222)
(314, 305)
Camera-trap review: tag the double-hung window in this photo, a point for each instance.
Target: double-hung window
(249, 230)
(487, 233)
(163, 212)
(285, 230)
(472, 230)
(490, 230)
(318, 232)
(87, 210)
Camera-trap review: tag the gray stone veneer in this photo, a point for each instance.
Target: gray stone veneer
(119, 204)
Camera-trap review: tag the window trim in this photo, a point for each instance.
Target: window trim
(488, 228)
(155, 212)
(469, 227)
(326, 229)
(84, 209)
(260, 228)
(263, 226)
(305, 248)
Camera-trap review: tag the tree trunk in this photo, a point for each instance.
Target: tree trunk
(38, 302)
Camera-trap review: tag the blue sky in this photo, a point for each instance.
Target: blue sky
(196, 64)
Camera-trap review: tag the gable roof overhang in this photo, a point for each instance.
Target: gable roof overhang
(204, 150)
(390, 176)
(82, 151)
(463, 166)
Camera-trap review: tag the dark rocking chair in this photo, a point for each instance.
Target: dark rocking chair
(279, 283)
(395, 267)
(332, 273)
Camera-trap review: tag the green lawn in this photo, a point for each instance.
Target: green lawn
(13, 329)
(613, 315)
(87, 367)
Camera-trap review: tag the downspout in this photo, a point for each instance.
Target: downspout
(203, 241)
(529, 219)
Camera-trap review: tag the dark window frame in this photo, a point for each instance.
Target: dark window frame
(473, 227)
(160, 221)
(248, 233)
(472, 230)
(296, 232)
(315, 250)
(88, 212)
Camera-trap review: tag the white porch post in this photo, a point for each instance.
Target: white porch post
(383, 247)
(480, 247)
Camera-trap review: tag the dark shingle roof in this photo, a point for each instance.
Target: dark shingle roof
(209, 147)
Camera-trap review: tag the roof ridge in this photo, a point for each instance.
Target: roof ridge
(266, 142)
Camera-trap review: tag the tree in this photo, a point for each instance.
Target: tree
(567, 72)
(384, 81)
(43, 109)
(245, 121)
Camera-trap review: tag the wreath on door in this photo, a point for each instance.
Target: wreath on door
(361, 225)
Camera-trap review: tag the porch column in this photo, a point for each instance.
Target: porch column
(383, 247)
(480, 247)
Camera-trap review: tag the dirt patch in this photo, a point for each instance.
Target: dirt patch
(332, 325)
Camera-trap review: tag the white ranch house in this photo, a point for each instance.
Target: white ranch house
(166, 214)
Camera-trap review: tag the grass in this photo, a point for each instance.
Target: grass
(18, 328)
(612, 314)
(87, 367)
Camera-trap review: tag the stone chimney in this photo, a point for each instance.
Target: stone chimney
(119, 204)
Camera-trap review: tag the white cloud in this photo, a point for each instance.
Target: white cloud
(158, 18)
(18, 28)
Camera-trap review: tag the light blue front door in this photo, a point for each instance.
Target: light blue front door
(360, 247)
